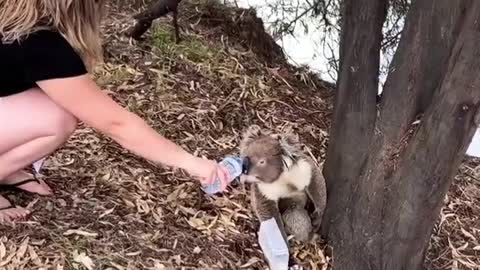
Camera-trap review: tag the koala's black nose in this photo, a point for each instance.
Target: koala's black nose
(246, 165)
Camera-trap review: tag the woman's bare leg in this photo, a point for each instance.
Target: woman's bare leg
(32, 127)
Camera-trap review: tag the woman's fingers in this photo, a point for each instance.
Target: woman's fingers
(214, 172)
(213, 177)
(221, 177)
(210, 179)
(224, 177)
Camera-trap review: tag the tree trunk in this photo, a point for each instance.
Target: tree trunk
(355, 99)
(352, 128)
(387, 178)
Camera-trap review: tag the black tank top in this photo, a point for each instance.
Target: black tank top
(41, 56)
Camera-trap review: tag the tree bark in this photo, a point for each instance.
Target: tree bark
(353, 124)
(419, 64)
(435, 153)
(355, 98)
(386, 180)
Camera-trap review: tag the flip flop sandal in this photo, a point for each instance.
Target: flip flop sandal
(15, 186)
(11, 206)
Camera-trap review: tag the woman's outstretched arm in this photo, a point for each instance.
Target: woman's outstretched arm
(82, 97)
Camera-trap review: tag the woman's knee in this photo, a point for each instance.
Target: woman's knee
(32, 114)
(64, 123)
(58, 121)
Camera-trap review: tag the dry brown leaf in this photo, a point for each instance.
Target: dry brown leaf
(3, 250)
(83, 259)
(107, 212)
(142, 206)
(187, 210)
(197, 250)
(196, 223)
(34, 256)
(23, 248)
(80, 232)
(159, 266)
(129, 203)
(7, 260)
(455, 265)
(214, 221)
(251, 261)
(467, 234)
(117, 266)
(135, 253)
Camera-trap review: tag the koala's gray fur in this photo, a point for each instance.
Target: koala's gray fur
(297, 220)
(284, 180)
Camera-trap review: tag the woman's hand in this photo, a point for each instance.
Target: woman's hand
(207, 171)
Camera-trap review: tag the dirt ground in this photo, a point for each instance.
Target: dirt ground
(114, 210)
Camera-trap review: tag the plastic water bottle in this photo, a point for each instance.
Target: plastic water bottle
(235, 168)
(273, 245)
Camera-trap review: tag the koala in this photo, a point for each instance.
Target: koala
(285, 182)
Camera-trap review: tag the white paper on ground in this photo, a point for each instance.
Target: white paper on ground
(474, 148)
(273, 245)
(37, 165)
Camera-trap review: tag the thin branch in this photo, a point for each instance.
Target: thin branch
(298, 17)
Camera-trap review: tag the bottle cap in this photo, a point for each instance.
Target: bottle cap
(245, 165)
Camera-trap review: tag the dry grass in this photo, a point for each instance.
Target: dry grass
(113, 210)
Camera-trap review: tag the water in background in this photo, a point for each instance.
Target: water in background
(303, 50)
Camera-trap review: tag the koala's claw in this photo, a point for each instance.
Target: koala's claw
(295, 267)
(243, 179)
(316, 221)
(247, 179)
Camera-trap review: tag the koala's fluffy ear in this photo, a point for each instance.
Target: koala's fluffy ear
(249, 135)
(290, 143)
(252, 132)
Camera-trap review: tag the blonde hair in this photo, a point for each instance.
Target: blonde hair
(78, 21)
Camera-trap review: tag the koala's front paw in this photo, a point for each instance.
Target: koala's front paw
(316, 221)
(243, 178)
(248, 179)
(295, 267)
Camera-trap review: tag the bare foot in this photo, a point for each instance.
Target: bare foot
(8, 213)
(39, 187)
